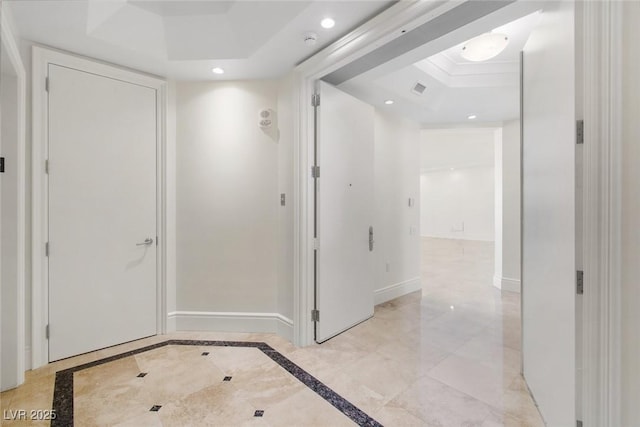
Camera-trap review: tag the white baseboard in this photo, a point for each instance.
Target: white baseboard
(506, 284)
(171, 323)
(396, 290)
(231, 322)
(27, 358)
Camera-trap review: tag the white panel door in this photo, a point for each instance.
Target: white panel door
(344, 209)
(102, 207)
(548, 274)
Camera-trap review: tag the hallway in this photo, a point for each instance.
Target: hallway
(450, 358)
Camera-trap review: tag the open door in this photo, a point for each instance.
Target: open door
(548, 270)
(344, 212)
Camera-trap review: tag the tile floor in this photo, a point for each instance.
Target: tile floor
(448, 357)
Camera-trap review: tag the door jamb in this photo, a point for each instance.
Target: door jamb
(42, 57)
(602, 207)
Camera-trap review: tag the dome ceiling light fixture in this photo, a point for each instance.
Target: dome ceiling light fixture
(485, 46)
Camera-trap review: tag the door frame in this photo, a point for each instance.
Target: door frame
(602, 101)
(8, 42)
(42, 57)
(602, 212)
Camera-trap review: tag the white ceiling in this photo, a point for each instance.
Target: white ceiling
(186, 39)
(456, 88)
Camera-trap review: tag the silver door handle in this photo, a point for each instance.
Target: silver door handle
(147, 242)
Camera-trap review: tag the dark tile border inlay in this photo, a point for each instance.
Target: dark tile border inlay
(258, 413)
(63, 391)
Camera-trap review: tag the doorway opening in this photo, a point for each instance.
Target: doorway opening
(372, 75)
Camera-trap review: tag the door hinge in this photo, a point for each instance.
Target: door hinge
(315, 100)
(316, 244)
(46, 331)
(579, 282)
(46, 166)
(46, 249)
(1, 164)
(579, 131)
(315, 315)
(46, 84)
(315, 171)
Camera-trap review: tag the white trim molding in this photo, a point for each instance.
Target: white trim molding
(9, 43)
(42, 57)
(396, 290)
(602, 212)
(506, 284)
(228, 321)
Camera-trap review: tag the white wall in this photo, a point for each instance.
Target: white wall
(13, 82)
(170, 217)
(227, 198)
(9, 220)
(507, 251)
(458, 203)
(498, 237)
(630, 369)
(397, 239)
(285, 120)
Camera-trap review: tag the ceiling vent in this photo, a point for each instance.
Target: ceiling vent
(418, 88)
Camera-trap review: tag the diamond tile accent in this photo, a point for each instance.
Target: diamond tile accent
(142, 374)
(227, 379)
(258, 413)
(155, 408)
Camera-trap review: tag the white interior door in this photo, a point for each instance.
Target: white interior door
(344, 211)
(548, 273)
(102, 208)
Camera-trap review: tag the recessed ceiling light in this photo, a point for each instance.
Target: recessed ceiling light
(327, 23)
(471, 117)
(217, 70)
(484, 47)
(389, 101)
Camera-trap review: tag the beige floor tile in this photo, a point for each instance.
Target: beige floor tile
(440, 405)
(266, 386)
(216, 405)
(483, 382)
(390, 416)
(305, 408)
